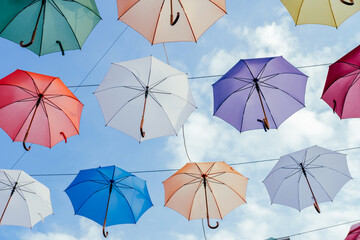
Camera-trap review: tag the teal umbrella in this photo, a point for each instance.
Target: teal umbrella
(47, 26)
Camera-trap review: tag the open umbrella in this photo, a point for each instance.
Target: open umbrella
(23, 200)
(342, 89)
(307, 177)
(109, 196)
(354, 232)
(145, 98)
(155, 20)
(38, 109)
(46, 26)
(325, 12)
(205, 190)
(259, 93)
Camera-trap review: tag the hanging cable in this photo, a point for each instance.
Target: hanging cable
(199, 77)
(77, 87)
(202, 223)
(319, 229)
(186, 151)
(22, 155)
(167, 59)
(176, 169)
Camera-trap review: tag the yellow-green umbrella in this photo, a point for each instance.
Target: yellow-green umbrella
(325, 12)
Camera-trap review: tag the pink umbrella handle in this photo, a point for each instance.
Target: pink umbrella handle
(351, 2)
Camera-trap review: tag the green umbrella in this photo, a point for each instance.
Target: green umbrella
(47, 26)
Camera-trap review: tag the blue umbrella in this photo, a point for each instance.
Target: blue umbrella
(109, 196)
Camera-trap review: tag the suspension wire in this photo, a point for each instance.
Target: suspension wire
(176, 169)
(199, 77)
(167, 58)
(186, 151)
(319, 229)
(22, 155)
(203, 228)
(118, 37)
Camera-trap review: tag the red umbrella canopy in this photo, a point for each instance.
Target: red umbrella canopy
(342, 88)
(38, 109)
(354, 232)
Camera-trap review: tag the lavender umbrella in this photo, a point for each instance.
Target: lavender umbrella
(259, 93)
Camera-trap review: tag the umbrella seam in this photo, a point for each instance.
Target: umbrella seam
(217, 205)
(193, 199)
(22, 125)
(308, 171)
(346, 75)
(100, 189)
(230, 187)
(188, 21)
(192, 180)
(247, 100)
(300, 8)
(128, 9)
(96, 13)
(332, 13)
(18, 15)
(43, 24)
(347, 92)
(157, 22)
(263, 68)
(85, 181)
(217, 6)
(130, 208)
(22, 88)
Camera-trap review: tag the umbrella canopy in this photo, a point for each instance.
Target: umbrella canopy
(23, 200)
(156, 20)
(354, 232)
(46, 26)
(307, 177)
(145, 98)
(205, 190)
(38, 109)
(259, 93)
(109, 196)
(342, 89)
(325, 12)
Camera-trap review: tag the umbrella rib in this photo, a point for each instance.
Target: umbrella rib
(210, 168)
(346, 75)
(263, 69)
(157, 21)
(245, 87)
(216, 203)
(300, 8)
(173, 95)
(247, 100)
(217, 6)
(42, 30)
(19, 101)
(128, 10)
(28, 91)
(100, 189)
(136, 96)
(187, 183)
(114, 87)
(85, 181)
(247, 80)
(17, 15)
(164, 79)
(321, 166)
(35, 86)
(272, 86)
(72, 30)
(282, 73)
(332, 13)
(65, 115)
(129, 187)
(137, 79)
(161, 107)
(132, 213)
(229, 187)
(188, 21)
(22, 125)
(248, 69)
(280, 184)
(75, 1)
(347, 92)
(7, 184)
(319, 184)
(193, 199)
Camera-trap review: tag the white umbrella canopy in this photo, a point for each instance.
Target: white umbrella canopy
(145, 98)
(23, 200)
(307, 177)
(170, 20)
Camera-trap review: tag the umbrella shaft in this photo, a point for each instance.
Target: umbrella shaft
(206, 202)
(11, 194)
(262, 105)
(107, 206)
(32, 119)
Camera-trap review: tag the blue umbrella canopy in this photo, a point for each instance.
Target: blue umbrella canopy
(109, 196)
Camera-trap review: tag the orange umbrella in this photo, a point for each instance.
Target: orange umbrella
(38, 109)
(205, 190)
(170, 20)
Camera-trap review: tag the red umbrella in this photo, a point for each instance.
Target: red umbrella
(342, 88)
(354, 232)
(38, 109)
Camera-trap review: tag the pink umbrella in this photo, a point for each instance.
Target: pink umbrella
(342, 88)
(354, 232)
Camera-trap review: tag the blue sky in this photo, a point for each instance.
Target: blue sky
(250, 29)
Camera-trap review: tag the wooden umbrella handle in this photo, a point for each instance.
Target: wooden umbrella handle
(349, 3)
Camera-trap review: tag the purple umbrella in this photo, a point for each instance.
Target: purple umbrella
(259, 93)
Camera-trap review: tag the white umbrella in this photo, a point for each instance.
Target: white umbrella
(145, 98)
(23, 200)
(307, 177)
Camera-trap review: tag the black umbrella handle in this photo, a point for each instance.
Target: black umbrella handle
(349, 3)
(172, 21)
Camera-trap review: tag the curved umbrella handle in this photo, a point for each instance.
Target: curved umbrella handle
(26, 148)
(31, 41)
(351, 2)
(172, 21)
(105, 233)
(334, 105)
(316, 206)
(64, 136)
(142, 132)
(212, 227)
